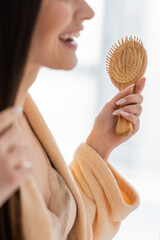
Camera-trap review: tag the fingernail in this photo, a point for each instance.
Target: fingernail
(121, 101)
(125, 114)
(117, 112)
(18, 109)
(27, 164)
(130, 86)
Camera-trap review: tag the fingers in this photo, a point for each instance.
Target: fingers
(140, 85)
(132, 103)
(13, 182)
(12, 176)
(8, 140)
(134, 120)
(9, 135)
(19, 175)
(130, 117)
(130, 99)
(136, 99)
(133, 109)
(8, 116)
(12, 159)
(12, 172)
(122, 94)
(13, 167)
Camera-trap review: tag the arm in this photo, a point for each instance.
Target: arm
(107, 196)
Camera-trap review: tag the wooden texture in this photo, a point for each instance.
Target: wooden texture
(123, 127)
(126, 64)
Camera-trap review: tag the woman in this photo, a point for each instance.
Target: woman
(88, 202)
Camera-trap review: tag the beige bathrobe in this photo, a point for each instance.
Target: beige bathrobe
(103, 197)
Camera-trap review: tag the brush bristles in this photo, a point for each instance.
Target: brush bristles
(126, 61)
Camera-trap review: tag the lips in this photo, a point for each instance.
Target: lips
(71, 36)
(69, 43)
(68, 38)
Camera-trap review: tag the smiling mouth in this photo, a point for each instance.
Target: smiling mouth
(69, 39)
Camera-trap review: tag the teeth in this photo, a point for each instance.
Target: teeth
(74, 43)
(69, 36)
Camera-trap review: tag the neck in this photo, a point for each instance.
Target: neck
(29, 77)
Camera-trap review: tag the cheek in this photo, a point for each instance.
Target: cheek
(53, 19)
(55, 16)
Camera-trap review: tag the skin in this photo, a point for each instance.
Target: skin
(56, 17)
(102, 137)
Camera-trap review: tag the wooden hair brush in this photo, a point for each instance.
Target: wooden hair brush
(126, 63)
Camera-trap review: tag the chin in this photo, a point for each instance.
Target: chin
(69, 65)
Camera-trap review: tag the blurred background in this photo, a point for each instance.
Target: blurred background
(70, 101)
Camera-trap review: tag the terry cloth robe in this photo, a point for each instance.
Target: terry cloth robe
(103, 197)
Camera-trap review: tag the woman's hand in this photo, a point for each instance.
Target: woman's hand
(12, 150)
(102, 137)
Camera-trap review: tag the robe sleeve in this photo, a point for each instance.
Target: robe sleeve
(107, 196)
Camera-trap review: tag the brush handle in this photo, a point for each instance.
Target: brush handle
(123, 127)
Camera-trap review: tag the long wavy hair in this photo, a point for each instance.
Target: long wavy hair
(17, 22)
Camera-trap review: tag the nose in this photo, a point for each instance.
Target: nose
(83, 11)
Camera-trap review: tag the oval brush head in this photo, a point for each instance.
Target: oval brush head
(126, 63)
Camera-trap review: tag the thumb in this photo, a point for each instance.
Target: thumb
(122, 94)
(140, 85)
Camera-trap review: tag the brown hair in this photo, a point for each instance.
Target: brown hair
(17, 22)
